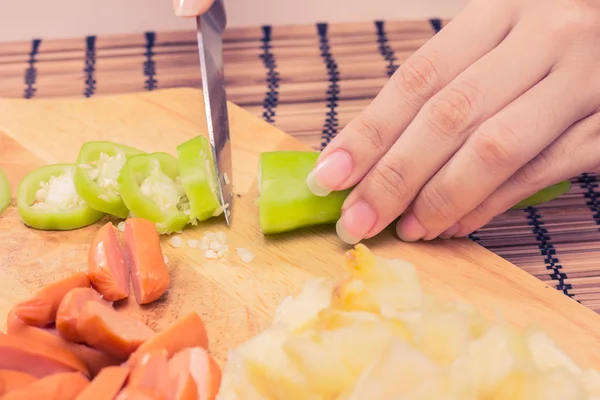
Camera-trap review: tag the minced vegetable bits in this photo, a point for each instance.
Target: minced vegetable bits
(151, 189)
(47, 200)
(96, 177)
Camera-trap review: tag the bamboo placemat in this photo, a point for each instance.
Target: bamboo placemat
(309, 81)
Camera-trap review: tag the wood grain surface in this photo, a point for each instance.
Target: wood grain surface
(238, 300)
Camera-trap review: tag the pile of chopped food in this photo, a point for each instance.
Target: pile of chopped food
(377, 336)
(112, 179)
(69, 342)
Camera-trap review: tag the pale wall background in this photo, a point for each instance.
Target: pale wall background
(25, 19)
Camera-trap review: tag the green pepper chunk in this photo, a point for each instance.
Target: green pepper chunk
(47, 200)
(96, 178)
(5, 194)
(199, 178)
(285, 201)
(151, 188)
(544, 195)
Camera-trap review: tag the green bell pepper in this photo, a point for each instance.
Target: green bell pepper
(47, 200)
(544, 195)
(151, 188)
(5, 194)
(285, 201)
(96, 177)
(199, 179)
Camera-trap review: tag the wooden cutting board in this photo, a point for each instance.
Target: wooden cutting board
(238, 300)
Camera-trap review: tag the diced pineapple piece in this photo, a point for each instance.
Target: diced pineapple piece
(238, 383)
(559, 384)
(590, 379)
(518, 384)
(546, 354)
(377, 283)
(492, 358)
(401, 371)
(300, 312)
(272, 372)
(443, 337)
(330, 319)
(332, 360)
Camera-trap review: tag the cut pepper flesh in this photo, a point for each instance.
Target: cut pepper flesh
(544, 195)
(199, 178)
(47, 200)
(285, 201)
(96, 177)
(151, 188)
(5, 193)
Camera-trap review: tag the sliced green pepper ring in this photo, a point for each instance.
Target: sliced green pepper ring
(285, 201)
(5, 194)
(151, 188)
(47, 200)
(96, 178)
(544, 195)
(199, 178)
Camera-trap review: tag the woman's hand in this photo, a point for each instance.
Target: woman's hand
(498, 105)
(191, 8)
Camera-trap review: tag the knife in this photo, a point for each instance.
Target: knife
(210, 26)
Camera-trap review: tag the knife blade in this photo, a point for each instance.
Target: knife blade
(210, 26)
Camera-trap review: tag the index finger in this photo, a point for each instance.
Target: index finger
(354, 151)
(191, 8)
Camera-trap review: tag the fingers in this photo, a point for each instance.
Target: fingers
(444, 124)
(191, 8)
(576, 151)
(496, 150)
(352, 153)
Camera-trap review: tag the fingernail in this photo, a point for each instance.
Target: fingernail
(188, 8)
(409, 228)
(356, 222)
(330, 173)
(450, 232)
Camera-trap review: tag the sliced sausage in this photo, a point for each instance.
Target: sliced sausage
(36, 358)
(40, 309)
(69, 308)
(149, 273)
(203, 368)
(12, 380)
(107, 266)
(184, 386)
(106, 385)
(151, 372)
(188, 331)
(115, 333)
(94, 359)
(134, 393)
(62, 386)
